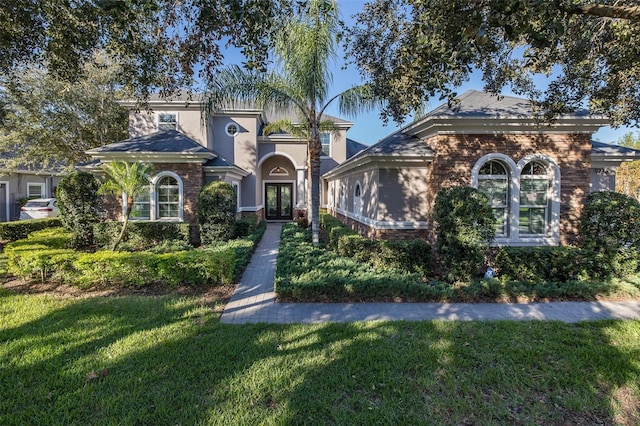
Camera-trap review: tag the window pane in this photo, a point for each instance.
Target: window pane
(140, 211)
(500, 220)
(533, 192)
(325, 140)
(495, 189)
(167, 121)
(34, 191)
(533, 220)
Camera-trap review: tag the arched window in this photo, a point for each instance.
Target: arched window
(534, 199)
(168, 198)
(357, 199)
(343, 198)
(493, 180)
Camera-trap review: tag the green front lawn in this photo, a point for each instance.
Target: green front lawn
(167, 360)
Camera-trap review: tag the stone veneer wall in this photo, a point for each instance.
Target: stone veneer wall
(457, 154)
(192, 177)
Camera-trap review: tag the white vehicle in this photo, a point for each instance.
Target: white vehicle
(39, 208)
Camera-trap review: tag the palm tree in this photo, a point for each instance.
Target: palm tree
(304, 44)
(129, 180)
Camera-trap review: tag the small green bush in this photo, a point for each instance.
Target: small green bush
(406, 255)
(80, 205)
(245, 226)
(610, 220)
(216, 212)
(13, 231)
(465, 226)
(142, 235)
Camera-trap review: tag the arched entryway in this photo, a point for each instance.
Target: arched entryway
(279, 178)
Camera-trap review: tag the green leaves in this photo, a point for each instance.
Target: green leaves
(413, 50)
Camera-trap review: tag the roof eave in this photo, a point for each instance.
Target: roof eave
(154, 157)
(513, 125)
(389, 161)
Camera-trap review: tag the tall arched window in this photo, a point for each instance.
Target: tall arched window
(534, 199)
(493, 180)
(168, 198)
(357, 199)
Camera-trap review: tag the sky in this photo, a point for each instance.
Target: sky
(368, 128)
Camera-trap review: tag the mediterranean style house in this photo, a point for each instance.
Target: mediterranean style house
(536, 174)
(189, 149)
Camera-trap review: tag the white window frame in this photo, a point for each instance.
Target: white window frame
(236, 188)
(5, 195)
(156, 200)
(227, 129)
(153, 199)
(507, 177)
(552, 235)
(328, 144)
(146, 202)
(357, 199)
(342, 198)
(36, 184)
(166, 123)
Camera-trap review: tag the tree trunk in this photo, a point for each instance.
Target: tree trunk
(314, 159)
(125, 222)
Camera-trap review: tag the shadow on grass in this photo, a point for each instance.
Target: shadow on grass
(168, 361)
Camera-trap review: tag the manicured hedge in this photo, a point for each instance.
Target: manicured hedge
(141, 235)
(306, 273)
(12, 231)
(563, 264)
(405, 255)
(43, 256)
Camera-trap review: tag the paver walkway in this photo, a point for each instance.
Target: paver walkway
(254, 301)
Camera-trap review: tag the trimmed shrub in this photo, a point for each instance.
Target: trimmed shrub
(563, 264)
(406, 255)
(13, 231)
(43, 256)
(79, 204)
(541, 264)
(142, 235)
(610, 220)
(216, 212)
(245, 226)
(465, 226)
(125, 269)
(40, 255)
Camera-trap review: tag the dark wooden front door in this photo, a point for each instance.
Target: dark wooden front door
(279, 201)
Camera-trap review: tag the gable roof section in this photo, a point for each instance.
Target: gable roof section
(166, 146)
(607, 155)
(396, 149)
(481, 113)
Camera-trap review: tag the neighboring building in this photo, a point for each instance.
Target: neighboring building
(189, 149)
(17, 186)
(536, 174)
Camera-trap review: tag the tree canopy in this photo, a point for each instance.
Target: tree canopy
(159, 44)
(51, 122)
(305, 46)
(412, 50)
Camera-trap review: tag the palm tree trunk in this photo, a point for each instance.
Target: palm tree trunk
(314, 159)
(125, 222)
